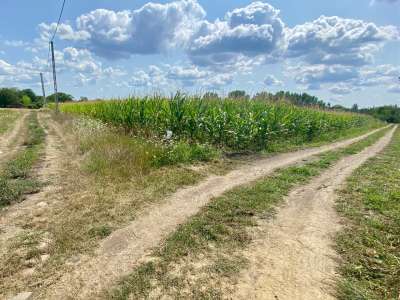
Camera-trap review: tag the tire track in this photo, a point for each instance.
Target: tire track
(293, 257)
(13, 136)
(120, 252)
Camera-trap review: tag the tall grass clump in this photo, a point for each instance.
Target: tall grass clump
(232, 124)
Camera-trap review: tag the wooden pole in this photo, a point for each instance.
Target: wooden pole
(54, 74)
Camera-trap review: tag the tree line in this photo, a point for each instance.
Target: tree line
(388, 113)
(26, 98)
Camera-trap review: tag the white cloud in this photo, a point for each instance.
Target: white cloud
(313, 76)
(394, 89)
(6, 68)
(153, 28)
(271, 80)
(249, 32)
(384, 1)
(15, 43)
(64, 31)
(341, 89)
(334, 40)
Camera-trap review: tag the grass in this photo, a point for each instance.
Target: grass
(15, 178)
(195, 260)
(233, 125)
(7, 119)
(113, 154)
(370, 244)
(105, 182)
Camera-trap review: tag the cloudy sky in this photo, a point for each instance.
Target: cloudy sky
(342, 51)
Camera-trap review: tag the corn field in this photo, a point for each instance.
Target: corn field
(234, 124)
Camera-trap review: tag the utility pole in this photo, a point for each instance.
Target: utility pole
(54, 75)
(44, 93)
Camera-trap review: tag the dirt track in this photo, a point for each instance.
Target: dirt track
(121, 252)
(293, 256)
(15, 219)
(12, 137)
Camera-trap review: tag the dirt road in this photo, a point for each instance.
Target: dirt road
(12, 138)
(293, 256)
(120, 253)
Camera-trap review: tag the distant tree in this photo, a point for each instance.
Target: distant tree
(210, 95)
(9, 97)
(82, 99)
(263, 96)
(62, 97)
(354, 108)
(238, 94)
(28, 92)
(389, 113)
(339, 107)
(26, 101)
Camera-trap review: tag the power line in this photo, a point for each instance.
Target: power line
(58, 22)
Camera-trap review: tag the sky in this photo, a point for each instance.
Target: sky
(342, 51)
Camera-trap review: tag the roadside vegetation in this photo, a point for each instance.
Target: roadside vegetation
(370, 244)
(16, 177)
(202, 255)
(389, 113)
(7, 119)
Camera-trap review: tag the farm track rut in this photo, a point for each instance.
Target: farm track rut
(12, 137)
(15, 217)
(125, 248)
(293, 255)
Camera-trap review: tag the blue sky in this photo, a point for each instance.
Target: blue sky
(342, 51)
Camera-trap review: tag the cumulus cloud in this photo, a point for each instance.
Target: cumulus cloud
(151, 29)
(334, 40)
(313, 76)
(179, 77)
(329, 52)
(64, 31)
(342, 80)
(255, 30)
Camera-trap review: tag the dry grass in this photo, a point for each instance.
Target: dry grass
(202, 259)
(7, 119)
(92, 200)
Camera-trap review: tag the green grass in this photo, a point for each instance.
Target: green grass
(112, 154)
(216, 234)
(234, 125)
(7, 119)
(15, 178)
(370, 244)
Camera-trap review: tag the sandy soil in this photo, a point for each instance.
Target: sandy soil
(122, 250)
(292, 257)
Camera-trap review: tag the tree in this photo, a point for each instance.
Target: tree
(26, 101)
(28, 92)
(9, 97)
(390, 113)
(238, 94)
(62, 97)
(263, 96)
(354, 108)
(210, 96)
